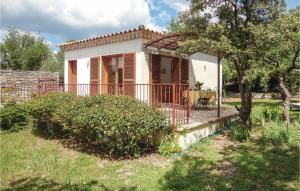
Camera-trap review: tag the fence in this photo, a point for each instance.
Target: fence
(171, 99)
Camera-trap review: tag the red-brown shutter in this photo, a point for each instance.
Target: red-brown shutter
(129, 74)
(94, 76)
(155, 68)
(155, 78)
(185, 71)
(175, 79)
(72, 76)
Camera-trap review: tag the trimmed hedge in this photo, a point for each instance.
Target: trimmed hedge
(13, 117)
(112, 125)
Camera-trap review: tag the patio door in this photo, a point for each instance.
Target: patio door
(94, 76)
(118, 74)
(72, 76)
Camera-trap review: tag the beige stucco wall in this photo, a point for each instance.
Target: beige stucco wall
(204, 68)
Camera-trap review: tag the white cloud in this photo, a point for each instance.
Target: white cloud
(178, 5)
(73, 19)
(164, 15)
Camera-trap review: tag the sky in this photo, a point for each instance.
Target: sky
(62, 20)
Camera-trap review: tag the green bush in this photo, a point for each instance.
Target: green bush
(114, 125)
(168, 146)
(43, 109)
(278, 133)
(117, 125)
(13, 117)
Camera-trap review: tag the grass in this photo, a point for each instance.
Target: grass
(28, 163)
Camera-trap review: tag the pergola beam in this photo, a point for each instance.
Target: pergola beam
(162, 38)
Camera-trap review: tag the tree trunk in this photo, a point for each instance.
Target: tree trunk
(286, 98)
(246, 104)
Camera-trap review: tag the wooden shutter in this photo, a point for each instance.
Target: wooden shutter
(155, 68)
(72, 76)
(155, 78)
(129, 74)
(94, 76)
(185, 71)
(175, 70)
(106, 68)
(175, 80)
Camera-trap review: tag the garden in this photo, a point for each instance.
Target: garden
(52, 145)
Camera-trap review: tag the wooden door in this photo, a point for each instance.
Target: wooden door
(94, 76)
(129, 74)
(72, 76)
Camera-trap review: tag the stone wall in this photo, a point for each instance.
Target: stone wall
(22, 85)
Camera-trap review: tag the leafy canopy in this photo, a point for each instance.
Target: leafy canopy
(22, 51)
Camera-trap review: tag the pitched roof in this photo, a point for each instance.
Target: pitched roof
(136, 33)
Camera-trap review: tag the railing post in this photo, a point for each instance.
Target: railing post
(173, 107)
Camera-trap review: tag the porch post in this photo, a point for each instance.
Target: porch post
(219, 90)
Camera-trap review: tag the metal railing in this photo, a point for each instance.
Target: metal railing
(172, 99)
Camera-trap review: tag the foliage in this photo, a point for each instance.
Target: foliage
(278, 48)
(278, 52)
(117, 125)
(168, 146)
(226, 31)
(13, 117)
(55, 63)
(198, 85)
(43, 109)
(113, 125)
(238, 132)
(262, 114)
(278, 133)
(22, 51)
(217, 164)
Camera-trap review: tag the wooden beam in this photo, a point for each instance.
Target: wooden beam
(157, 40)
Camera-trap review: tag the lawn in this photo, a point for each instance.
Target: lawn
(32, 163)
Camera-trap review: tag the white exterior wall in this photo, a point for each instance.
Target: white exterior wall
(204, 68)
(83, 62)
(142, 76)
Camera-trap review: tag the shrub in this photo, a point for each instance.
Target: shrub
(43, 108)
(13, 117)
(114, 125)
(117, 125)
(168, 146)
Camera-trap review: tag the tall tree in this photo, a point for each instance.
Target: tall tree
(224, 29)
(278, 49)
(22, 51)
(55, 63)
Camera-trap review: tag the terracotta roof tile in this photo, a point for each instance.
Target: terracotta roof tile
(136, 33)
